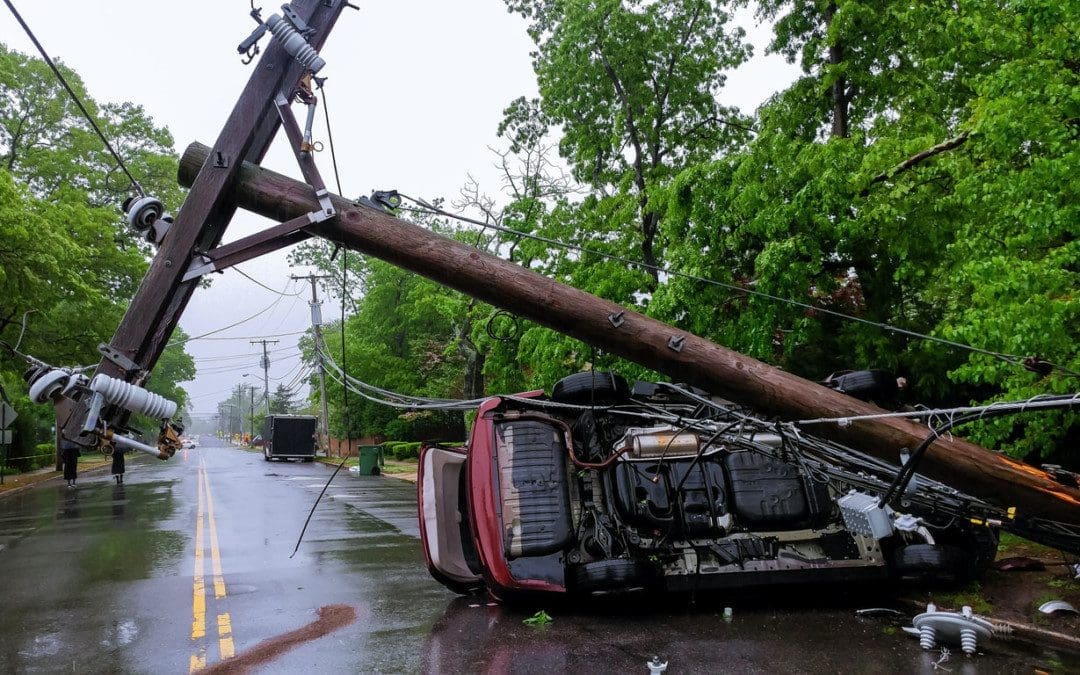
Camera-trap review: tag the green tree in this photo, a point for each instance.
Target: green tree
(67, 264)
(282, 400)
(941, 204)
(634, 87)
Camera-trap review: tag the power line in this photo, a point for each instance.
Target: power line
(241, 337)
(232, 325)
(71, 93)
(1008, 358)
(262, 285)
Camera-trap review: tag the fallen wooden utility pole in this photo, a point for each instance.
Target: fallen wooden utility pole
(678, 354)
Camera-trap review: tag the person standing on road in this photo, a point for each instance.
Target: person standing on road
(118, 465)
(69, 453)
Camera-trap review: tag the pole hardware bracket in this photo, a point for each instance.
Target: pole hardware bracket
(618, 319)
(117, 357)
(676, 342)
(383, 200)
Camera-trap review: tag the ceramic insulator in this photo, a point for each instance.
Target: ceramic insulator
(968, 640)
(927, 637)
(295, 44)
(130, 397)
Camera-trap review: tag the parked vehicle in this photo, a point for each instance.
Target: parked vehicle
(610, 488)
(289, 437)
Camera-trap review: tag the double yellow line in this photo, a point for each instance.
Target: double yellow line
(198, 599)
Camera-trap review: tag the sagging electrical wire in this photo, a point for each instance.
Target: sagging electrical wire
(71, 92)
(232, 325)
(344, 286)
(1021, 361)
(262, 285)
(1039, 402)
(908, 471)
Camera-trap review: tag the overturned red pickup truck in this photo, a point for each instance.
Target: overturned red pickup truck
(604, 488)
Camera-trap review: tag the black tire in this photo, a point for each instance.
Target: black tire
(931, 562)
(600, 388)
(980, 545)
(607, 576)
(867, 385)
(375, 471)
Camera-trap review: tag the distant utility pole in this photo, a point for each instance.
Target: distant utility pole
(316, 324)
(266, 370)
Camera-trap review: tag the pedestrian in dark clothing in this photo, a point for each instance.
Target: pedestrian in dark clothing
(118, 465)
(69, 453)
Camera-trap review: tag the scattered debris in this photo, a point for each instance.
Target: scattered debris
(963, 628)
(656, 666)
(1056, 606)
(878, 611)
(541, 618)
(943, 659)
(1020, 564)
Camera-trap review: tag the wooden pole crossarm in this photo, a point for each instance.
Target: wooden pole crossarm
(267, 241)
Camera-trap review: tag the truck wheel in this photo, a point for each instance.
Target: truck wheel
(605, 576)
(266, 455)
(601, 388)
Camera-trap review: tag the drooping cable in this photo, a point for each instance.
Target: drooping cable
(344, 279)
(74, 97)
(1007, 358)
(232, 325)
(262, 285)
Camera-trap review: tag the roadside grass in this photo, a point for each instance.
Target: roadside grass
(391, 467)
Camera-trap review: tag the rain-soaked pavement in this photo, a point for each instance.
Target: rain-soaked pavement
(188, 562)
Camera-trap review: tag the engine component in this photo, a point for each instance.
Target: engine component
(686, 493)
(765, 492)
(662, 441)
(130, 397)
(863, 515)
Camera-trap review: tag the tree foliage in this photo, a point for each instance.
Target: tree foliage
(66, 261)
(920, 175)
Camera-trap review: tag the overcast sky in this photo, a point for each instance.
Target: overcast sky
(416, 90)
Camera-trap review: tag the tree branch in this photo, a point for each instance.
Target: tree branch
(915, 160)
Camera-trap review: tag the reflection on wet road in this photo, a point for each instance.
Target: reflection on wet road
(188, 562)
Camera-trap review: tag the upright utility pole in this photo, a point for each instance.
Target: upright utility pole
(316, 325)
(266, 370)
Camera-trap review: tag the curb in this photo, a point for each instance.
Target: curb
(31, 486)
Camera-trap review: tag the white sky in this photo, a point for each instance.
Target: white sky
(416, 90)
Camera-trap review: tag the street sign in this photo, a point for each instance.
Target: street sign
(7, 415)
(5, 437)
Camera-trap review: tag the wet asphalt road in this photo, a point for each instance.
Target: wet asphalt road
(189, 561)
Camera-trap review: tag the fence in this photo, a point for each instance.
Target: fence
(340, 447)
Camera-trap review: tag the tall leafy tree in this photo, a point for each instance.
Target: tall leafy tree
(634, 87)
(67, 264)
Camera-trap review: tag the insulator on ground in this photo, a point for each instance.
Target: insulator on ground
(927, 637)
(968, 640)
